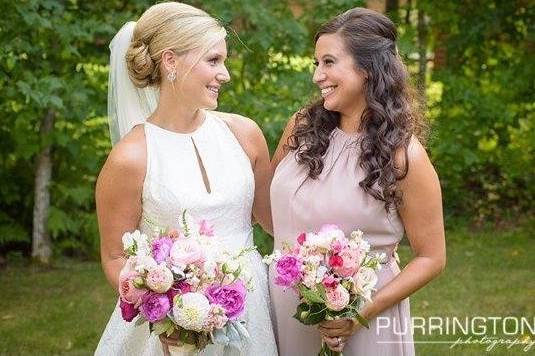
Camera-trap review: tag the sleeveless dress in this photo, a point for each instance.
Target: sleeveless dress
(301, 204)
(174, 182)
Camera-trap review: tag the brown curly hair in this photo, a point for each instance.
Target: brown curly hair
(390, 118)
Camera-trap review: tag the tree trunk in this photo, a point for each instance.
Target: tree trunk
(408, 13)
(41, 244)
(422, 52)
(392, 10)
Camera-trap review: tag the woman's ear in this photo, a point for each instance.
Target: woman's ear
(169, 61)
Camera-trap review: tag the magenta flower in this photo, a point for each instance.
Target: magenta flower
(178, 288)
(288, 271)
(128, 311)
(330, 282)
(154, 306)
(161, 248)
(301, 238)
(231, 297)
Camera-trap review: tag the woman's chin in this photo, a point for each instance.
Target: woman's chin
(328, 105)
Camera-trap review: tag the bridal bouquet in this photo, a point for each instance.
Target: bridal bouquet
(333, 275)
(182, 281)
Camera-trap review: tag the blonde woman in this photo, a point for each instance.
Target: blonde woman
(165, 75)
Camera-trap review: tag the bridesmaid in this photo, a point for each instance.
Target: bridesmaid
(354, 158)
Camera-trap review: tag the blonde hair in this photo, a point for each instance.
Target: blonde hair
(168, 26)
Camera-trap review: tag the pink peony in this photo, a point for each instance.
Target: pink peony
(337, 298)
(128, 310)
(230, 296)
(161, 248)
(128, 292)
(159, 278)
(154, 306)
(351, 259)
(288, 271)
(185, 252)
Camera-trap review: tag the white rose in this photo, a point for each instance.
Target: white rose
(365, 280)
(231, 266)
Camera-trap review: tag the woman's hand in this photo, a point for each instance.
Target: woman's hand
(335, 333)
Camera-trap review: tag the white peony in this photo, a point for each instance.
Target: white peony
(191, 311)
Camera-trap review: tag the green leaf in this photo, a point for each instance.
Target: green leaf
(310, 314)
(163, 326)
(310, 295)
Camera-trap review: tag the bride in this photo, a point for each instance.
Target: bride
(166, 71)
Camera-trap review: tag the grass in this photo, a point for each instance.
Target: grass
(62, 311)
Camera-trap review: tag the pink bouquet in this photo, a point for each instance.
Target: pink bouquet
(182, 281)
(333, 275)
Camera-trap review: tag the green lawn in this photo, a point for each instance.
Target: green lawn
(64, 310)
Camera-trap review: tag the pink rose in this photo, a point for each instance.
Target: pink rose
(159, 278)
(330, 282)
(128, 292)
(351, 260)
(337, 298)
(185, 252)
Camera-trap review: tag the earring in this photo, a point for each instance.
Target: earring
(171, 76)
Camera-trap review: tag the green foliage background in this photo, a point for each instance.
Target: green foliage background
(55, 54)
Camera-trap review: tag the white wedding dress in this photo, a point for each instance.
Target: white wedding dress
(174, 182)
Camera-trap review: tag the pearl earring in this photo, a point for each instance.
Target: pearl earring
(171, 76)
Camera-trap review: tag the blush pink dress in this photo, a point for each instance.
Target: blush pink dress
(301, 204)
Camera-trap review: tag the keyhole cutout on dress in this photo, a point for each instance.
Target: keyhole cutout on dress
(201, 167)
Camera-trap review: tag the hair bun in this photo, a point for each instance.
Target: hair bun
(140, 64)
